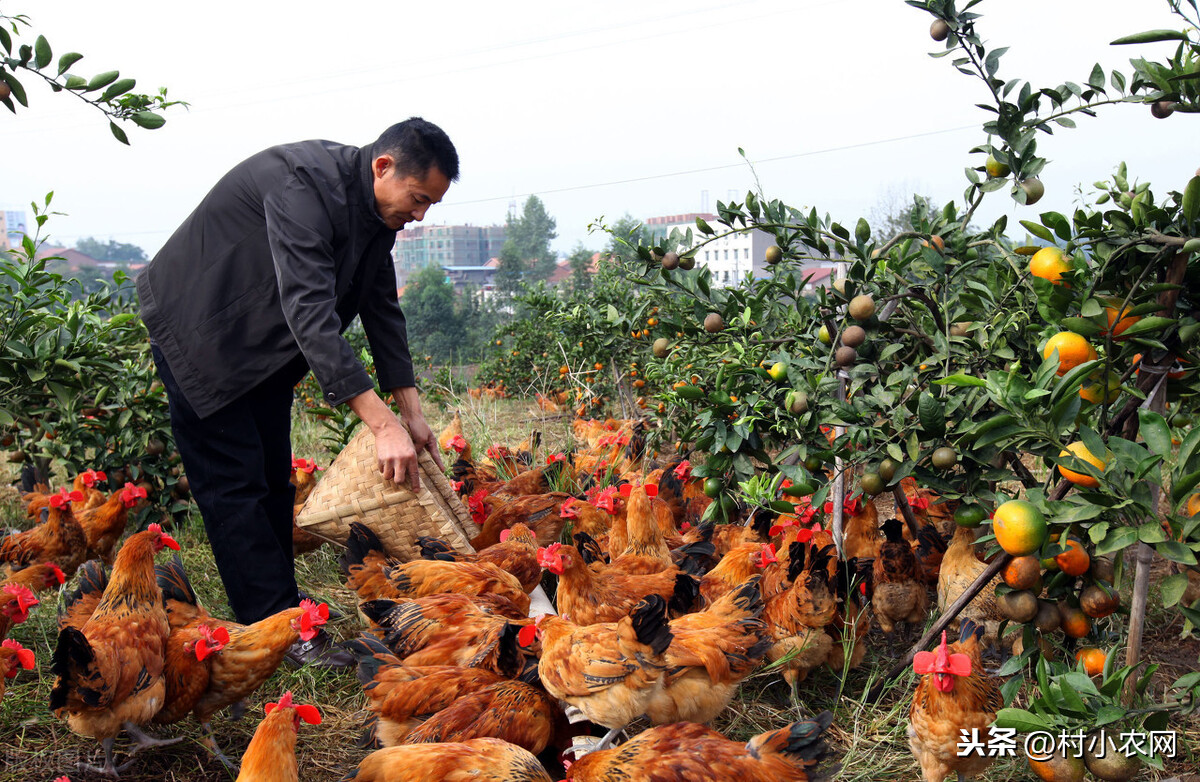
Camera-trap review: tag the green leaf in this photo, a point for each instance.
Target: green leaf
(1121, 537)
(1191, 200)
(102, 80)
(1037, 230)
(18, 90)
(118, 88)
(42, 54)
(1151, 36)
(1156, 323)
(1173, 587)
(67, 60)
(120, 134)
(1176, 552)
(1058, 223)
(931, 414)
(1155, 432)
(961, 380)
(148, 120)
(1021, 720)
(862, 231)
(5, 40)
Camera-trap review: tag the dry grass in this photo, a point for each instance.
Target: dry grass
(867, 740)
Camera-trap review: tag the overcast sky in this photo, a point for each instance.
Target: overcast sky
(601, 109)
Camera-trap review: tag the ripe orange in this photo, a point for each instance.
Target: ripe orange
(1193, 505)
(1075, 623)
(1022, 572)
(563, 370)
(1049, 264)
(1101, 389)
(1072, 350)
(1019, 527)
(1080, 451)
(1122, 322)
(1075, 560)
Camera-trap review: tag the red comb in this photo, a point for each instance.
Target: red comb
(804, 535)
(527, 635)
(24, 656)
(504, 533)
(683, 469)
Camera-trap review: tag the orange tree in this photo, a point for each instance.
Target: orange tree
(939, 356)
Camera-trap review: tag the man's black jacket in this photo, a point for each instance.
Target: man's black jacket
(276, 261)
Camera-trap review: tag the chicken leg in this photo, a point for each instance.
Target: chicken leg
(109, 769)
(144, 740)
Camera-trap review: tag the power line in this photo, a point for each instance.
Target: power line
(810, 153)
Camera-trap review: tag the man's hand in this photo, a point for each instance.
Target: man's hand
(422, 436)
(394, 450)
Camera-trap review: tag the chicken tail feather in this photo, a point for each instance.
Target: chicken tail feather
(650, 623)
(361, 542)
(687, 590)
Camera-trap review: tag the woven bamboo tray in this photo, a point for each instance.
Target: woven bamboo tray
(352, 489)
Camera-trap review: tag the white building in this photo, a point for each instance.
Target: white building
(731, 257)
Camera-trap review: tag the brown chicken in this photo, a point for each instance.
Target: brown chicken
(711, 652)
(589, 597)
(516, 553)
(37, 578)
(452, 430)
(899, 594)
(684, 494)
(510, 710)
(742, 564)
(271, 756)
(187, 669)
(448, 630)
(953, 696)
(79, 604)
(304, 478)
(541, 512)
(13, 658)
(109, 670)
(930, 547)
(401, 696)
(60, 539)
(15, 602)
(797, 618)
(645, 551)
(104, 525)
(373, 576)
(684, 752)
(84, 483)
(248, 658)
(860, 528)
(611, 672)
(477, 760)
(959, 569)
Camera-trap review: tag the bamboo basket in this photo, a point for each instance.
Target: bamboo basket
(352, 489)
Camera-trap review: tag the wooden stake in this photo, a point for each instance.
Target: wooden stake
(942, 623)
(839, 477)
(906, 510)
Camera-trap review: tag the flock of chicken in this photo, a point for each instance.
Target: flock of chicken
(660, 615)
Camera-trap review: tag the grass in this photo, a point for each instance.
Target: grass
(868, 741)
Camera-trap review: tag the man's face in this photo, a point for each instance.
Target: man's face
(400, 200)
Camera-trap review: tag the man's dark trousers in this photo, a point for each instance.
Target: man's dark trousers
(238, 462)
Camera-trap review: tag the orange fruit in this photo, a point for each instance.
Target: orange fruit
(1072, 350)
(1101, 389)
(1019, 527)
(1092, 659)
(1080, 451)
(1075, 623)
(563, 370)
(1193, 505)
(1122, 322)
(1050, 264)
(1022, 572)
(1099, 600)
(1075, 560)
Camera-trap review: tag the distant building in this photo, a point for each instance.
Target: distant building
(72, 259)
(730, 258)
(12, 228)
(445, 245)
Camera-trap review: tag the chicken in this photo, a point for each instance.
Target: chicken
(542, 513)
(187, 668)
(930, 548)
(727, 537)
(13, 658)
(589, 597)
(477, 760)
(84, 483)
(710, 653)
(539, 480)
(860, 528)
(110, 670)
(37, 578)
(899, 590)
(959, 569)
(797, 617)
(684, 752)
(271, 756)
(516, 553)
(743, 563)
(612, 671)
(401, 696)
(929, 508)
(645, 551)
(448, 630)
(510, 710)
(60, 539)
(79, 605)
(452, 430)
(104, 525)
(954, 696)
(683, 494)
(304, 478)
(373, 576)
(248, 658)
(15, 602)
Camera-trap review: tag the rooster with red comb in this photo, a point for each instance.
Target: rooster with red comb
(953, 696)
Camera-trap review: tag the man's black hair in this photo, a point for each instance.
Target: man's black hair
(418, 145)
